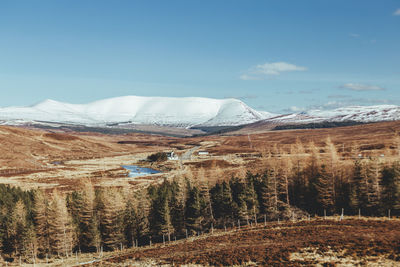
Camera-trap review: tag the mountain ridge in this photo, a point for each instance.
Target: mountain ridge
(170, 111)
(181, 112)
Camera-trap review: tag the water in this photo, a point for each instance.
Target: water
(136, 171)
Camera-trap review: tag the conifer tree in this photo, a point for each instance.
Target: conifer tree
(160, 216)
(359, 188)
(177, 207)
(372, 178)
(193, 211)
(239, 205)
(130, 223)
(111, 207)
(222, 203)
(142, 218)
(81, 206)
(269, 194)
(391, 189)
(324, 189)
(251, 195)
(206, 205)
(41, 222)
(61, 234)
(17, 226)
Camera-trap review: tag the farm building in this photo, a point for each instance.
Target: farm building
(172, 156)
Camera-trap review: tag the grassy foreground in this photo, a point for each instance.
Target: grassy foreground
(329, 242)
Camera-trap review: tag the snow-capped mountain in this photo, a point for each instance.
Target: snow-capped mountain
(360, 113)
(180, 112)
(352, 113)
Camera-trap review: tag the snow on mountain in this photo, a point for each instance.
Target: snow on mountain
(360, 113)
(352, 113)
(181, 112)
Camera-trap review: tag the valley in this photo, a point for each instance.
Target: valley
(67, 163)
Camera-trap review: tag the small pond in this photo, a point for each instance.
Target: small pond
(136, 171)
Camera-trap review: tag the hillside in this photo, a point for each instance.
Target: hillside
(167, 111)
(326, 243)
(178, 116)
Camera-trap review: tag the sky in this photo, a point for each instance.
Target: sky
(278, 56)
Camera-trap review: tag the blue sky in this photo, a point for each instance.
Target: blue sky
(278, 56)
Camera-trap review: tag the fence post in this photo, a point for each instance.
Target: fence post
(265, 220)
(359, 213)
(239, 224)
(324, 214)
(186, 233)
(169, 237)
(225, 227)
(163, 239)
(212, 229)
(389, 214)
(342, 215)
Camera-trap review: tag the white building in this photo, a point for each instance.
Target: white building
(172, 156)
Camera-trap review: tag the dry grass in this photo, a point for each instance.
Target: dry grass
(26, 155)
(304, 243)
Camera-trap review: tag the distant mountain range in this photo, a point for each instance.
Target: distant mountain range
(185, 112)
(164, 111)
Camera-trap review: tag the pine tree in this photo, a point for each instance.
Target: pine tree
(177, 207)
(390, 197)
(160, 216)
(142, 218)
(222, 203)
(16, 228)
(111, 206)
(358, 188)
(41, 222)
(269, 195)
(324, 189)
(251, 197)
(238, 189)
(61, 234)
(81, 207)
(130, 223)
(193, 215)
(206, 205)
(372, 178)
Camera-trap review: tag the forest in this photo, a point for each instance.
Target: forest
(38, 224)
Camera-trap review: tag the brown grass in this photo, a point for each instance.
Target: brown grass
(285, 244)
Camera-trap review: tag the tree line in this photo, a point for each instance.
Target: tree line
(38, 224)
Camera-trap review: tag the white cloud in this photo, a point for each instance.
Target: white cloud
(397, 12)
(247, 77)
(296, 109)
(362, 87)
(270, 69)
(354, 35)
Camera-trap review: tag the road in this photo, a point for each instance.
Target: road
(188, 154)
